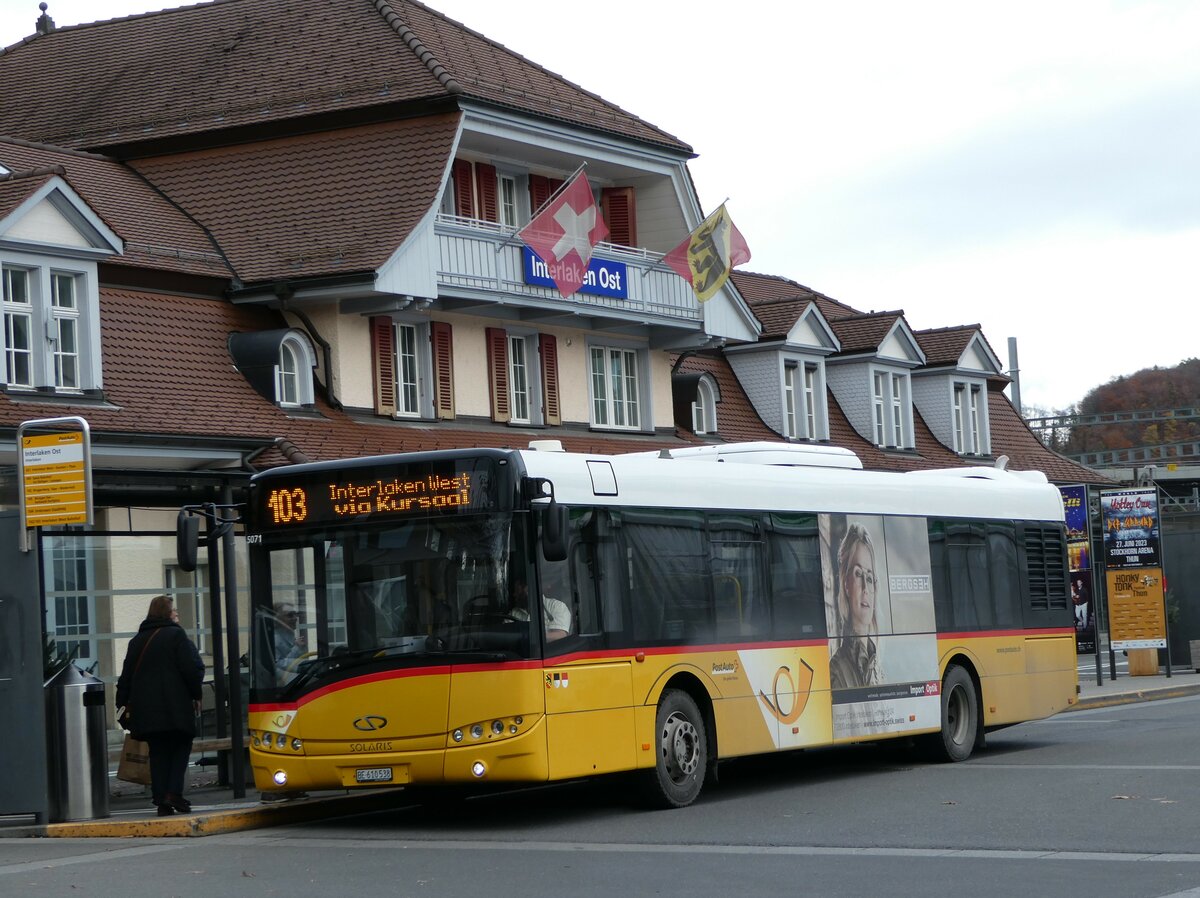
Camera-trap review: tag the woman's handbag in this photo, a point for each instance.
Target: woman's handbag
(134, 766)
(125, 712)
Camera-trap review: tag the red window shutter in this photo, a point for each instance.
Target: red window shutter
(541, 189)
(464, 194)
(383, 349)
(489, 208)
(548, 350)
(620, 215)
(497, 362)
(442, 340)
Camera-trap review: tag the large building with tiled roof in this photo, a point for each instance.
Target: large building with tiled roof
(248, 233)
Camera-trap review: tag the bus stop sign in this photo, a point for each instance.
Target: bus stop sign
(55, 481)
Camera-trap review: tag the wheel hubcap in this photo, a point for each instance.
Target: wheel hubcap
(680, 747)
(956, 715)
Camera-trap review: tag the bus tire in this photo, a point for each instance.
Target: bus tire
(960, 717)
(681, 746)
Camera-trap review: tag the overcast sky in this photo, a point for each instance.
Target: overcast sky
(1028, 166)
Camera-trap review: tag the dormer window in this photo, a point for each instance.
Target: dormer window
(46, 337)
(970, 430)
(278, 364)
(803, 395)
(890, 409)
(704, 407)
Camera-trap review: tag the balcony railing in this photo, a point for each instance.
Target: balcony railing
(483, 258)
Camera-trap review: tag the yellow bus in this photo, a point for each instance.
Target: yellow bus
(504, 616)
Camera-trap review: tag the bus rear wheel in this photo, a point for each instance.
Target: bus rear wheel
(681, 752)
(960, 717)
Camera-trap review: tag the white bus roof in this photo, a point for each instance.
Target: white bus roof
(770, 477)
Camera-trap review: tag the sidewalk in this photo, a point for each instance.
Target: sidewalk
(215, 809)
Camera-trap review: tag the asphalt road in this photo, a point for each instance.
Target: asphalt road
(1091, 803)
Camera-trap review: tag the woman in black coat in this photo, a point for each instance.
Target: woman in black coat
(160, 686)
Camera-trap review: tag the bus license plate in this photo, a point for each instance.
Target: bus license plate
(373, 775)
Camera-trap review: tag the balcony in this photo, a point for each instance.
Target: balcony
(480, 261)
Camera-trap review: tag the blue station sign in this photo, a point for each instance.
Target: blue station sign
(603, 278)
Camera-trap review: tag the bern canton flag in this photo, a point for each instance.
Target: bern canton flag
(564, 233)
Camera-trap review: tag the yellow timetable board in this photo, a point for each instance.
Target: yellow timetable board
(54, 476)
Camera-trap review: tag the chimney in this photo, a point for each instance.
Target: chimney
(45, 24)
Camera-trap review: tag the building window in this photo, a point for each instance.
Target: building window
(803, 412)
(615, 387)
(890, 404)
(789, 402)
(70, 608)
(64, 313)
(293, 371)
(704, 409)
(518, 380)
(969, 434)
(18, 327)
(508, 201)
(408, 379)
(47, 336)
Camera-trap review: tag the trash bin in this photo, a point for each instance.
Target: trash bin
(76, 746)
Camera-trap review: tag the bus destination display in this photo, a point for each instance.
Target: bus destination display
(373, 493)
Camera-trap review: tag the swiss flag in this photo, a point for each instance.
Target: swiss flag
(564, 233)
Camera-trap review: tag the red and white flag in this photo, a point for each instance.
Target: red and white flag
(564, 233)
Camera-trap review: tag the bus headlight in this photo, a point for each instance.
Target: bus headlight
(280, 740)
(479, 769)
(297, 745)
(497, 727)
(457, 735)
(477, 731)
(280, 777)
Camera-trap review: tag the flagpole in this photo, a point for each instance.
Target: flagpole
(546, 202)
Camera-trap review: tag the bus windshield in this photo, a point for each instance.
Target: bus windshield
(386, 595)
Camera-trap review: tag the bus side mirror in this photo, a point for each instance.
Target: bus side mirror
(187, 540)
(554, 531)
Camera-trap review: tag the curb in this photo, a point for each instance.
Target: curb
(216, 822)
(1134, 696)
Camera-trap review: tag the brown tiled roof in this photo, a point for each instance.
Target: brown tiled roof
(1011, 436)
(779, 297)
(18, 187)
(737, 419)
(232, 63)
(861, 333)
(156, 233)
(278, 208)
(945, 345)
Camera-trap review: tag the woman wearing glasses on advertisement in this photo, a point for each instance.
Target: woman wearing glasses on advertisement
(856, 662)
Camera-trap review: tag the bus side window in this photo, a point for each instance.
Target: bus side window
(797, 594)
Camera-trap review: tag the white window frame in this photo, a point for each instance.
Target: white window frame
(520, 375)
(891, 403)
(790, 415)
(508, 200)
(294, 372)
(420, 365)
(804, 414)
(970, 418)
(704, 408)
(62, 339)
(611, 406)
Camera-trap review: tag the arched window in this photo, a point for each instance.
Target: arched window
(704, 408)
(293, 371)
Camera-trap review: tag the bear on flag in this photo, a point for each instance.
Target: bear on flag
(564, 233)
(709, 254)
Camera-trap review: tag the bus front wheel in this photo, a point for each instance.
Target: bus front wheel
(960, 717)
(682, 752)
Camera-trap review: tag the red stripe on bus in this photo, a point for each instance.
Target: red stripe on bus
(989, 634)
